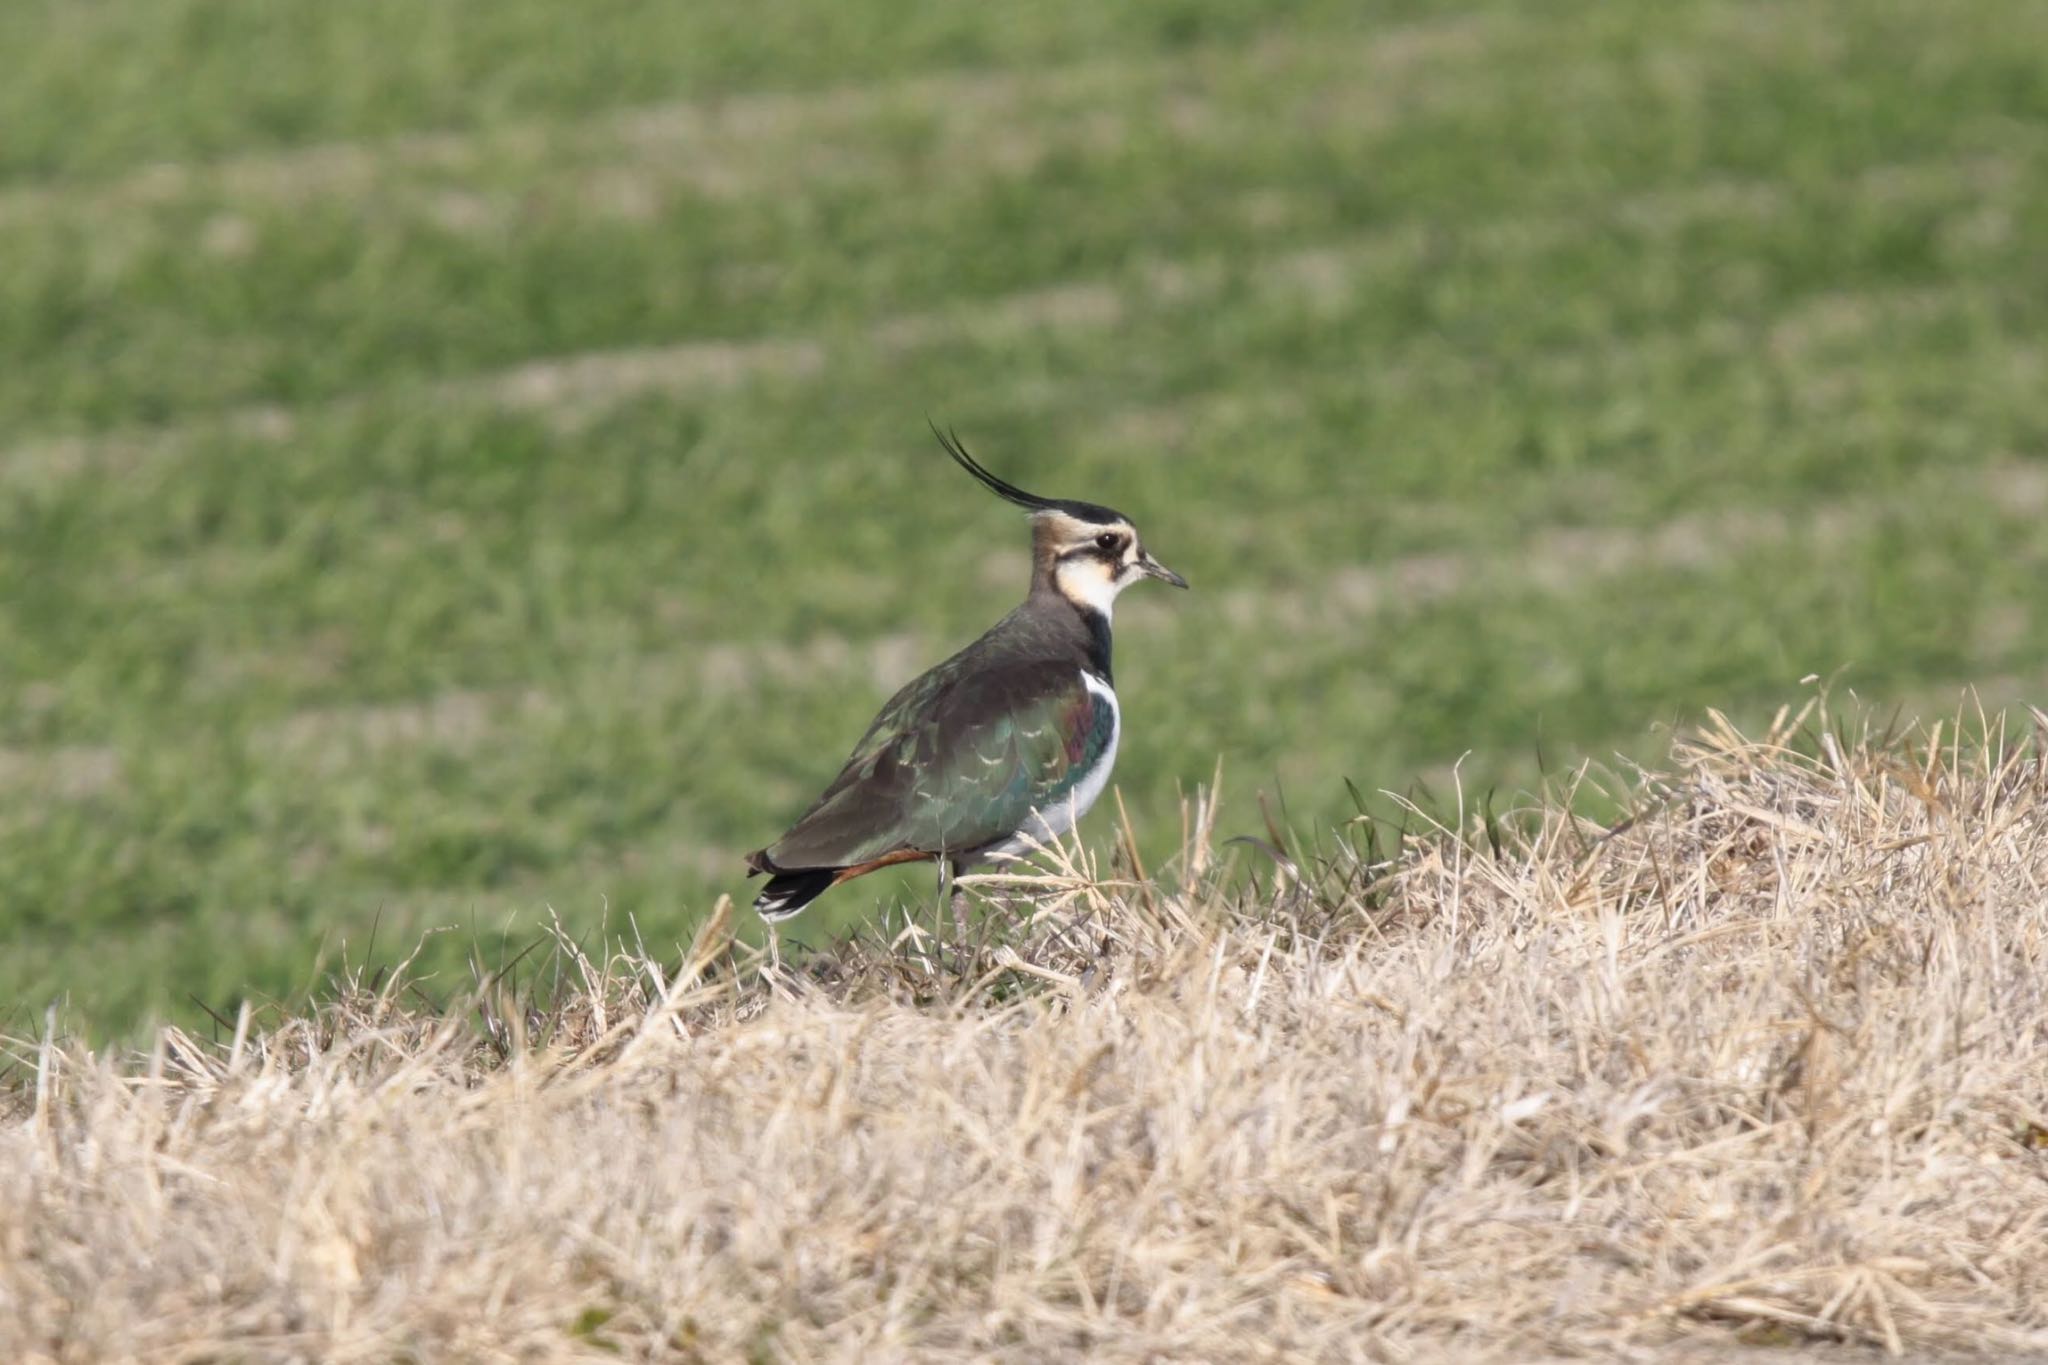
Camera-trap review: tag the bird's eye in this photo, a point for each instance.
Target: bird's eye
(1106, 541)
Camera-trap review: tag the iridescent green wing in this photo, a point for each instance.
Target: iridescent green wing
(995, 766)
(957, 760)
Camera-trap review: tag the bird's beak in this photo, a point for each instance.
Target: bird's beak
(1154, 569)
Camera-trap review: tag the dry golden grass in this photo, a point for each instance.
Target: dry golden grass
(1762, 1071)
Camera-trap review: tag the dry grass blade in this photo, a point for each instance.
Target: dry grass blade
(1762, 1066)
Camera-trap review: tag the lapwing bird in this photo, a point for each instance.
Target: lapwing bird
(1001, 747)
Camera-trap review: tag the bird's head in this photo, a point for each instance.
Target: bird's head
(1086, 552)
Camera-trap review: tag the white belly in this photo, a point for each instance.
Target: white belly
(1057, 819)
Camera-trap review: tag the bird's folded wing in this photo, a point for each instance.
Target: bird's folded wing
(953, 764)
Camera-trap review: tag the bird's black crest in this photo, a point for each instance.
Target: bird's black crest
(1009, 492)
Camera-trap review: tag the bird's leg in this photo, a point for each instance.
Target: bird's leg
(957, 902)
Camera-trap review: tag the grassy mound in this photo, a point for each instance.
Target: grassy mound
(1760, 1068)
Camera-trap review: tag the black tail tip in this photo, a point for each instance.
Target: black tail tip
(788, 892)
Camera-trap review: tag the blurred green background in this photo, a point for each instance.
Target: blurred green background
(463, 458)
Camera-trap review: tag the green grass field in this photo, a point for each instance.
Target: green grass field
(466, 460)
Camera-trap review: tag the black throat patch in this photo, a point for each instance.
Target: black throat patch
(1098, 642)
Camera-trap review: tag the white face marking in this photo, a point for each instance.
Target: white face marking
(1083, 575)
(1089, 583)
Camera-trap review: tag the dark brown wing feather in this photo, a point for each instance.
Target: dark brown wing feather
(960, 756)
